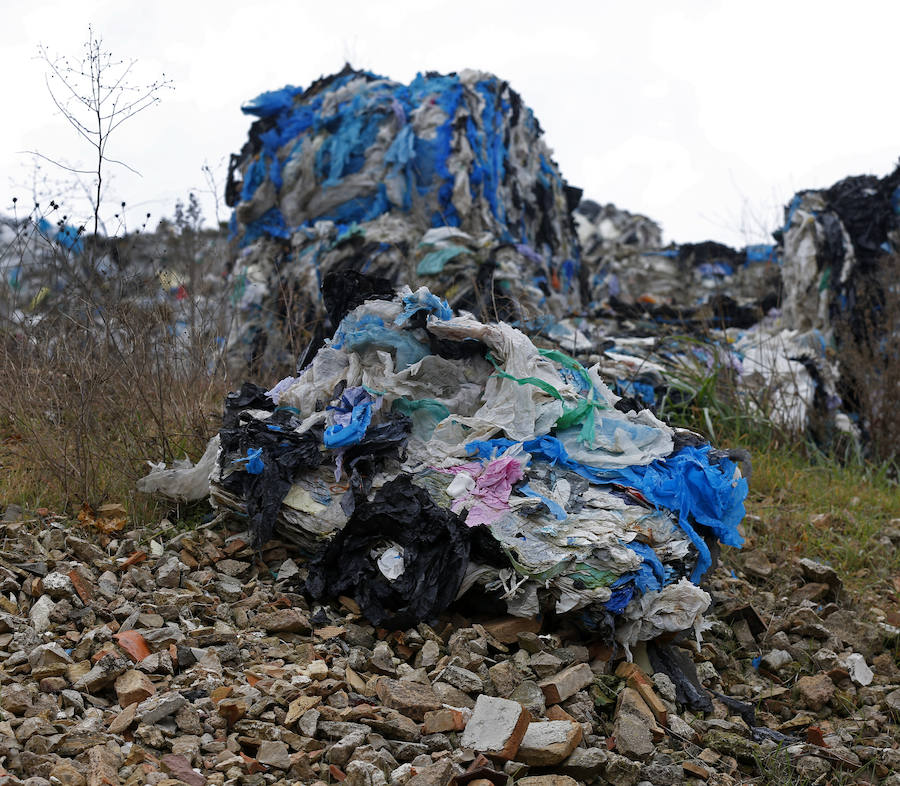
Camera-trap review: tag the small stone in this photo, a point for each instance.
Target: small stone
(445, 719)
(64, 774)
(812, 767)
(363, 773)
(428, 655)
(496, 727)
(382, 660)
(776, 659)
(814, 691)
(232, 567)
(664, 686)
(275, 754)
(621, 770)
(465, 680)
(531, 697)
(567, 683)
(169, 573)
(729, 743)
(103, 765)
(40, 613)
(283, 621)
(861, 636)
(124, 720)
(317, 670)
(15, 698)
(547, 780)
(447, 694)
(756, 563)
(160, 706)
(585, 764)
(103, 673)
(892, 702)
(695, 769)
(179, 767)
(544, 664)
(633, 737)
(858, 669)
(505, 677)
(813, 591)
(341, 751)
(58, 585)
(438, 774)
(819, 572)
(549, 742)
(411, 698)
(133, 687)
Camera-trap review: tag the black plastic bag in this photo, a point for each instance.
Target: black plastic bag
(435, 544)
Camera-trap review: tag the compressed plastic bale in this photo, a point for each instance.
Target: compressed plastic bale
(446, 180)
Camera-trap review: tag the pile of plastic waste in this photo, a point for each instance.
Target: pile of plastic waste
(630, 273)
(445, 182)
(423, 452)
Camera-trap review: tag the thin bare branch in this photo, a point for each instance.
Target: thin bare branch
(57, 163)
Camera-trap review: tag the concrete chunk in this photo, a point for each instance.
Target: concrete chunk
(549, 742)
(567, 683)
(496, 727)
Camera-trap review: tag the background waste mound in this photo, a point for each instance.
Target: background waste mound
(445, 181)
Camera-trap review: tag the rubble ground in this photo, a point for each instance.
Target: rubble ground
(185, 657)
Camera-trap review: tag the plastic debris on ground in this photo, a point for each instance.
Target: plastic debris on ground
(422, 453)
(445, 182)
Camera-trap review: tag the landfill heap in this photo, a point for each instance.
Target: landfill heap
(630, 273)
(424, 453)
(166, 282)
(33, 255)
(833, 242)
(445, 182)
(667, 320)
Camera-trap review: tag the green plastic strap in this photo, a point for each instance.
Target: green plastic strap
(538, 383)
(434, 408)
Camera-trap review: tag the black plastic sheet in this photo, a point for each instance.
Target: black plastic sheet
(435, 543)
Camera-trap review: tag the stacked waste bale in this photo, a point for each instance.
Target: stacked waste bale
(840, 247)
(423, 452)
(445, 181)
(630, 273)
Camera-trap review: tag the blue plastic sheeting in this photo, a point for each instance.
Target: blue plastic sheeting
(424, 301)
(272, 102)
(370, 331)
(352, 418)
(642, 391)
(67, 236)
(686, 483)
(558, 511)
(650, 577)
(761, 253)
(720, 269)
(253, 460)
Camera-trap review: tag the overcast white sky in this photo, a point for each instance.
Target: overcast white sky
(706, 116)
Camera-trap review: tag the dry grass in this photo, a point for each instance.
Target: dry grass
(98, 380)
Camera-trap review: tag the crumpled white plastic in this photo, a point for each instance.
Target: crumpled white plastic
(183, 481)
